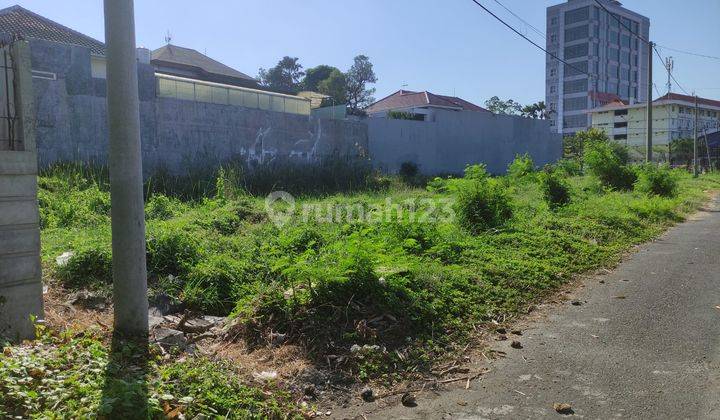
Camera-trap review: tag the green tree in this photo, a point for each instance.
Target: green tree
(538, 111)
(315, 75)
(358, 77)
(498, 106)
(284, 77)
(335, 86)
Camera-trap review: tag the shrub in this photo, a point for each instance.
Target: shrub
(521, 166)
(482, 205)
(477, 172)
(87, 267)
(606, 160)
(171, 251)
(160, 207)
(570, 167)
(408, 170)
(656, 180)
(555, 190)
(214, 284)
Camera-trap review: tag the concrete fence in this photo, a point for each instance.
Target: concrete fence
(20, 273)
(456, 139)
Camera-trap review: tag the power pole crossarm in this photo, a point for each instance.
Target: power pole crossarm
(126, 191)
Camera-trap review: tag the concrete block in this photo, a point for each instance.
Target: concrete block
(20, 240)
(19, 211)
(17, 305)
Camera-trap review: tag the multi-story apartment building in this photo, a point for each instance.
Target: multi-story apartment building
(673, 118)
(604, 57)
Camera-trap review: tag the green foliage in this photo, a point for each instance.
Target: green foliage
(358, 77)
(75, 375)
(476, 172)
(315, 75)
(498, 106)
(555, 190)
(213, 284)
(171, 250)
(409, 171)
(607, 161)
(404, 115)
(285, 77)
(162, 207)
(656, 180)
(570, 167)
(482, 205)
(335, 86)
(521, 167)
(89, 266)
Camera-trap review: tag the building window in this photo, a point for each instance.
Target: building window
(576, 69)
(575, 51)
(37, 74)
(577, 15)
(580, 32)
(575, 104)
(576, 86)
(552, 89)
(553, 38)
(621, 112)
(620, 137)
(614, 54)
(574, 121)
(625, 41)
(552, 72)
(553, 21)
(621, 124)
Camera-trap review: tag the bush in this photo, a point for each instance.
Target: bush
(556, 191)
(656, 180)
(160, 207)
(570, 167)
(215, 284)
(408, 170)
(482, 205)
(606, 160)
(521, 166)
(171, 251)
(87, 267)
(477, 172)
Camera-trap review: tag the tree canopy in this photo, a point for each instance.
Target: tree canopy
(284, 77)
(315, 75)
(358, 77)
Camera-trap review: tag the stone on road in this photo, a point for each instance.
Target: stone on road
(655, 353)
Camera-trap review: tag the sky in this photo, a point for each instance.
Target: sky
(449, 47)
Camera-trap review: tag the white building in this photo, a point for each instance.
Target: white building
(594, 42)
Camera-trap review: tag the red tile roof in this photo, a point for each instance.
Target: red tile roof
(687, 98)
(408, 99)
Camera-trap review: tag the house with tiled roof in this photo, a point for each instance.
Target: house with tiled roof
(673, 118)
(186, 62)
(420, 104)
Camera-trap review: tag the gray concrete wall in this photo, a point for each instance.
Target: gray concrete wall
(20, 275)
(456, 139)
(177, 135)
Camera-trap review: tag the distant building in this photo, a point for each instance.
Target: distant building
(673, 118)
(596, 43)
(186, 62)
(421, 104)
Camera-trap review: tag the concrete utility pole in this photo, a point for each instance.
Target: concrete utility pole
(649, 126)
(695, 136)
(126, 190)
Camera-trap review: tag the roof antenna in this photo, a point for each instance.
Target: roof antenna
(168, 37)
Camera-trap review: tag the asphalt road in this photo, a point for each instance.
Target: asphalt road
(644, 343)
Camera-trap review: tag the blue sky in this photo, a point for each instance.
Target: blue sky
(444, 46)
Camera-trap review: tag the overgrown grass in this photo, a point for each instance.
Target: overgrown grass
(76, 375)
(325, 281)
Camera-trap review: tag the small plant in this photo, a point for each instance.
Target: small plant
(607, 161)
(87, 267)
(556, 191)
(521, 167)
(570, 167)
(160, 207)
(213, 284)
(476, 172)
(482, 205)
(656, 180)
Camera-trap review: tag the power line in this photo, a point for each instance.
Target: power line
(712, 57)
(670, 73)
(621, 22)
(537, 31)
(530, 40)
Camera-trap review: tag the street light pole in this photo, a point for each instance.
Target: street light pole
(695, 136)
(126, 190)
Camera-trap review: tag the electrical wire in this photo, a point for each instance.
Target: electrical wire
(529, 40)
(670, 73)
(621, 22)
(712, 57)
(537, 31)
